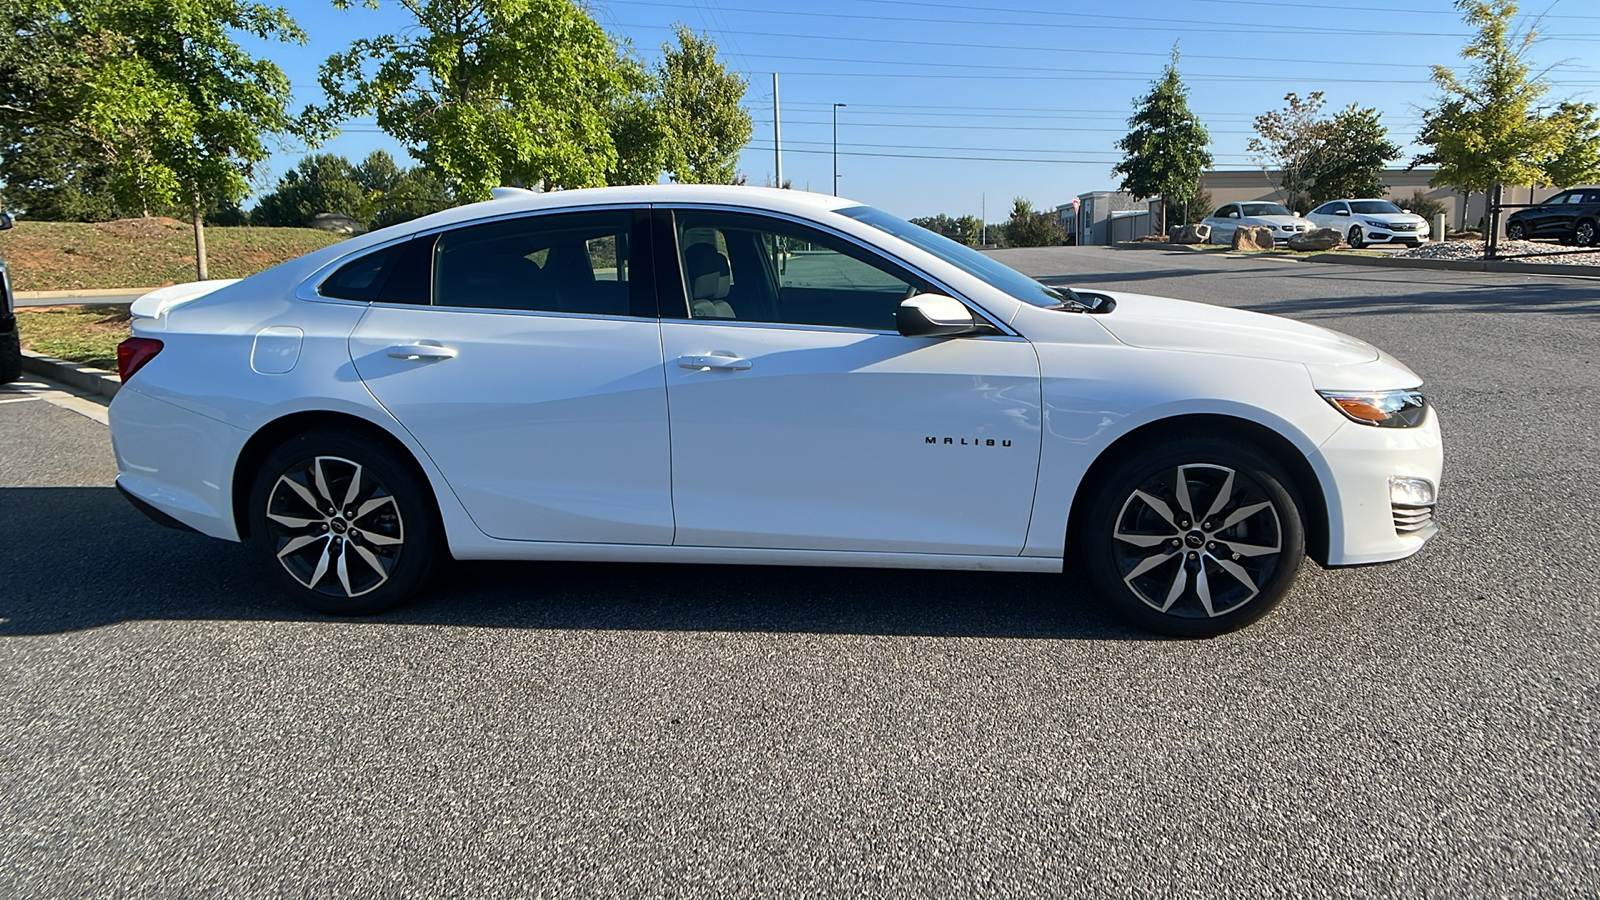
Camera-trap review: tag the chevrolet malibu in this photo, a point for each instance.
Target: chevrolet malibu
(739, 375)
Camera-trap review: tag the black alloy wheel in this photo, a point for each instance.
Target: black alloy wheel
(1194, 538)
(341, 525)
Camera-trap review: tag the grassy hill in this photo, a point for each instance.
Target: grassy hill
(58, 256)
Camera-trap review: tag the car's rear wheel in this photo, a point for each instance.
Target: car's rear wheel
(1355, 239)
(1516, 231)
(10, 357)
(1584, 234)
(1194, 538)
(341, 524)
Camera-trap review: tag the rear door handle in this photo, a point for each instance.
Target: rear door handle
(713, 361)
(422, 350)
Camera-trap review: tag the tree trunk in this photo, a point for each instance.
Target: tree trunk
(199, 239)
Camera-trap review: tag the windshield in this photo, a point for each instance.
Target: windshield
(1373, 206)
(962, 257)
(1264, 209)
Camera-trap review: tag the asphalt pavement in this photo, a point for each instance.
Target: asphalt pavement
(172, 727)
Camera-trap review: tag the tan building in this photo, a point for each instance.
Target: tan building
(1262, 184)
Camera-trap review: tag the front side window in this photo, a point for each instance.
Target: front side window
(748, 268)
(567, 262)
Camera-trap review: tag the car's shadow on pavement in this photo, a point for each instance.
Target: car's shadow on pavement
(81, 558)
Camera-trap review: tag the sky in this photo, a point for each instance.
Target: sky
(958, 108)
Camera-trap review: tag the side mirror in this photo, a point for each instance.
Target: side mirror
(1342, 212)
(933, 315)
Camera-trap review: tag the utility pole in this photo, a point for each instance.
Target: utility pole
(777, 140)
(983, 218)
(836, 108)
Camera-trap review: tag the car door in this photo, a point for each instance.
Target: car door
(1551, 218)
(529, 368)
(1223, 222)
(802, 419)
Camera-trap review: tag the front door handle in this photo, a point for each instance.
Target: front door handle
(422, 350)
(713, 361)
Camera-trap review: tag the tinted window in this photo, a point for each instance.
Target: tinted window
(362, 278)
(568, 262)
(1264, 209)
(1325, 209)
(754, 269)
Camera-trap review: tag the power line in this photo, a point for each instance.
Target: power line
(1165, 27)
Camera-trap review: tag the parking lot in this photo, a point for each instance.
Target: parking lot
(172, 727)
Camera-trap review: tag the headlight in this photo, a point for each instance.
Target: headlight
(1384, 409)
(1376, 224)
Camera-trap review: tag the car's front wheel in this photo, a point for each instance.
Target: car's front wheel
(1194, 538)
(341, 524)
(1355, 239)
(1584, 234)
(1516, 231)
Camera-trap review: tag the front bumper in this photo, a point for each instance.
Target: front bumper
(1364, 526)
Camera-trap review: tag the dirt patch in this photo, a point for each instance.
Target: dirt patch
(145, 226)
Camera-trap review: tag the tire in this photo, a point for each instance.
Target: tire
(1584, 234)
(1516, 231)
(373, 553)
(1168, 570)
(1355, 238)
(10, 357)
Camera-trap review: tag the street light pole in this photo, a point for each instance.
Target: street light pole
(836, 108)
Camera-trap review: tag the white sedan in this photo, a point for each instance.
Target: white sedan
(738, 375)
(1230, 216)
(1363, 222)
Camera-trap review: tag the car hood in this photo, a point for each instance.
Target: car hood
(1161, 323)
(1392, 218)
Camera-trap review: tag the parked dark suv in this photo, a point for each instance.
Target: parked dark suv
(1572, 216)
(10, 344)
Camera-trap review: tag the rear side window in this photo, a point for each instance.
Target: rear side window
(566, 262)
(362, 278)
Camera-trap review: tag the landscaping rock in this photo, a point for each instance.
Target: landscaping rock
(338, 223)
(1193, 234)
(1320, 239)
(1252, 238)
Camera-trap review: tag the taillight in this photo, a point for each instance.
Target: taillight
(133, 353)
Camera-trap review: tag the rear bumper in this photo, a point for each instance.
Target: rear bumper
(175, 462)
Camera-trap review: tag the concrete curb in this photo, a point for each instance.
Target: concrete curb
(1502, 267)
(92, 292)
(84, 378)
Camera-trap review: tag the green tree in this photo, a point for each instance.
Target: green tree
(1348, 158)
(701, 106)
(964, 230)
(1487, 128)
(1027, 228)
(1321, 158)
(320, 183)
(1579, 158)
(51, 168)
(176, 104)
(489, 92)
(1166, 148)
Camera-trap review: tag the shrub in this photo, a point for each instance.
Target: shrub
(1421, 204)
